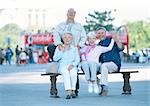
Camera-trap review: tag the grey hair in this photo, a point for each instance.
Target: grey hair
(101, 28)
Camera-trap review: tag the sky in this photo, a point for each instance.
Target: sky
(126, 10)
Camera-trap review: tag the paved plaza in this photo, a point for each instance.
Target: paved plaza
(24, 86)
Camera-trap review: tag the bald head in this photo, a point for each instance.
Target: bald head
(71, 14)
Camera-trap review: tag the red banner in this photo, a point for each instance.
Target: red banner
(26, 39)
(39, 39)
(123, 35)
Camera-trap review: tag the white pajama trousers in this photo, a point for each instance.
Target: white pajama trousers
(106, 68)
(70, 78)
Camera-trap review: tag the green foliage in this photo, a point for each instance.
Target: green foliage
(138, 31)
(139, 35)
(99, 19)
(9, 31)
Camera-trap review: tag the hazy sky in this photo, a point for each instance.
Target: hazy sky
(129, 10)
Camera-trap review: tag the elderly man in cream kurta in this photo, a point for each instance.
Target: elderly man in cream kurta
(70, 26)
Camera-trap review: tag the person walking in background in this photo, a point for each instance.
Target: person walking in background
(9, 55)
(22, 57)
(17, 52)
(110, 61)
(2, 56)
(90, 60)
(30, 54)
(137, 55)
(68, 58)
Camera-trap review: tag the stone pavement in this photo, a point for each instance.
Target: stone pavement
(28, 88)
(38, 95)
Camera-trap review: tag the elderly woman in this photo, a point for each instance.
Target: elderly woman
(68, 57)
(90, 60)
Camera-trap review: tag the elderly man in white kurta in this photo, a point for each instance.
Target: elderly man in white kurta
(71, 26)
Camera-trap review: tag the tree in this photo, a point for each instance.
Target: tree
(9, 31)
(139, 35)
(99, 19)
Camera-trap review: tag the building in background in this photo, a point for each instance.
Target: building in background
(26, 18)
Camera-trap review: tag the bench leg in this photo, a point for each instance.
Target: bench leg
(53, 89)
(77, 86)
(126, 86)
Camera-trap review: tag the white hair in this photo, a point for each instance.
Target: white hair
(91, 34)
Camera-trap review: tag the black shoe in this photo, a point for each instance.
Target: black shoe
(54, 96)
(68, 97)
(104, 93)
(76, 92)
(73, 95)
(104, 90)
